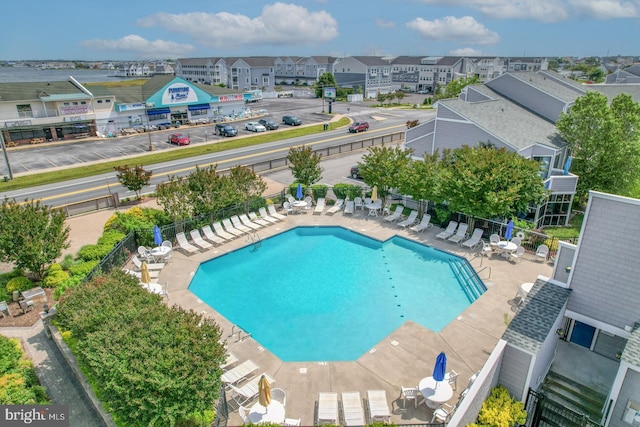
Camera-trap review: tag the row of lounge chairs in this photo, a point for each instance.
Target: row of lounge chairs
(242, 381)
(227, 229)
(457, 233)
(410, 221)
(353, 413)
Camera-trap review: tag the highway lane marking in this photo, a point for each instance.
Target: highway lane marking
(185, 169)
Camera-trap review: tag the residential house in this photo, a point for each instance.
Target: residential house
(209, 71)
(371, 74)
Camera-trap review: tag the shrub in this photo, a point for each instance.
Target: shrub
(53, 278)
(344, 191)
(500, 410)
(67, 262)
(67, 283)
(53, 268)
(93, 252)
(18, 284)
(111, 238)
(319, 190)
(83, 268)
(17, 376)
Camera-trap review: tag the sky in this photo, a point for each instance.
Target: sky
(144, 30)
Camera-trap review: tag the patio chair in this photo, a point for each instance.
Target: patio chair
(198, 240)
(185, 245)
(396, 215)
(378, 406)
(246, 221)
(448, 232)
(168, 255)
(424, 224)
(443, 413)
(357, 203)
(452, 378)
(288, 209)
(291, 422)
(265, 216)
(274, 213)
(217, 226)
(327, 408)
(309, 206)
(230, 228)
(248, 391)
(542, 253)
(279, 395)
(26, 305)
(410, 393)
(244, 414)
(411, 219)
(516, 240)
(211, 236)
(238, 225)
(475, 240)
(257, 220)
(494, 239)
(143, 252)
(319, 206)
(349, 208)
(151, 266)
(460, 234)
(336, 207)
(352, 412)
(518, 254)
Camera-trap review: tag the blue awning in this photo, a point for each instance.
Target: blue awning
(199, 107)
(158, 111)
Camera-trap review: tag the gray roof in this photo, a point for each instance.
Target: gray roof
(612, 90)
(50, 91)
(449, 60)
(409, 60)
(509, 122)
(259, 61)
(371, 60)
(538, 313)
(631, 353)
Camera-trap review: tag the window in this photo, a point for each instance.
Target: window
(545, 165)
(24, 110)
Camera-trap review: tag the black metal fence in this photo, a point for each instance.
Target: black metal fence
(544, 412)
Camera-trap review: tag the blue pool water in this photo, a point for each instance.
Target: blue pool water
(329, 294)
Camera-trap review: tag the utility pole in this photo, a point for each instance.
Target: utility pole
(148, 125)
(6, 156)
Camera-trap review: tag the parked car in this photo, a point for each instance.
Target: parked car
(359, 127)
(291, 120)
(165, 125)
(255, 127)
(179, 139)
(355, 172)
(269, 124)
(226, 130)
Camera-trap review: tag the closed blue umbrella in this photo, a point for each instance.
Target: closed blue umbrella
(567, 165)
(509, 232)
(299, 191)
(157, 236)
(440, 368)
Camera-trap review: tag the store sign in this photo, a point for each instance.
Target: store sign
(18, 123)
(230, 98)
(329, 92)
(133, 106)
(179, 93)
(75, 109)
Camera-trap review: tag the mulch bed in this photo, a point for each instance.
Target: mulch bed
(27, 319)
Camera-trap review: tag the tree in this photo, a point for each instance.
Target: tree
(421, 178)
(454, 87)
(32, 235)
(383, 166)
(604, 141)
(246, 184)
(208, 191)
(133, 178)
(325, 80)
(173, 196)
(487, 182)
(304, 165)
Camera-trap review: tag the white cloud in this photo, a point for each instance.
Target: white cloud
(466, 51)
(383, 23)
(541, 10)
(140, 47)
(463, 30)
(279, 24)
(607, 9)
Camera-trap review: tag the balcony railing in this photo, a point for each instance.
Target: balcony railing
(559, 183)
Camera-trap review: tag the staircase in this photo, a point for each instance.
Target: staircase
(567, 393)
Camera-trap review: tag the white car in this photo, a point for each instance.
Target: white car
(255, 127)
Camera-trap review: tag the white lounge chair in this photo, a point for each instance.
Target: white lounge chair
(475, 239)
(411, 219)
(378, 406)
(336, 207)
(184, 244)
(211, 236)
(274, 213)
(246, 221)
(352, 412)
(349, 208)
(424, 224)
(221, 232)
(238, 225)
(239, 372)
(264, 215)
(257, 220)
(198, 240)
(327, 408)
(460, 234)
(320, 204)
(249, 390)
(151, 266)
(448, 232)
(230, 228)
(542, 253)
(396, 215)
(138, 275)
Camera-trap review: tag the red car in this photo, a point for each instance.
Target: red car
(359, 127)
(179, 139)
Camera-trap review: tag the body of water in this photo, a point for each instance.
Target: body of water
(329, 294)
(31, 74)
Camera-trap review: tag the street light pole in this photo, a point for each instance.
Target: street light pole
(6, 156)
(148, 126)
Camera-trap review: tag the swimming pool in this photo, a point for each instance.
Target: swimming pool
(330, 294)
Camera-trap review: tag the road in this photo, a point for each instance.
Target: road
(382, 122)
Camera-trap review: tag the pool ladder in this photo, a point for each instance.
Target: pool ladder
(238, 331)
(255, 239)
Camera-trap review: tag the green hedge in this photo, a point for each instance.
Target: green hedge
(344, 191)
(18, 382)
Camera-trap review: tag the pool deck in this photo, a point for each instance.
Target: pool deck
(400, 359)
